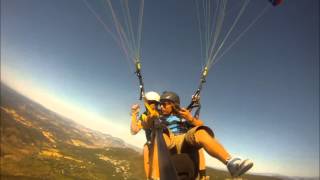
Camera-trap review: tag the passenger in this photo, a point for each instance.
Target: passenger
(187, 131)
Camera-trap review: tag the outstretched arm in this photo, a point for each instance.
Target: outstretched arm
(135, 123)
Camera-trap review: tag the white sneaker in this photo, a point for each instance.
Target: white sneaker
(237, 166)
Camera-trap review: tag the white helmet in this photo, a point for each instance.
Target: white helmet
(152, 96)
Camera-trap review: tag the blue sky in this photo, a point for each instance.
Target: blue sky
(261, 99)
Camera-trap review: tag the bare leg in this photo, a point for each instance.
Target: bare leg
(167, 140)
(212, 146)
(155, 163)
(202, 161)
(146, 160)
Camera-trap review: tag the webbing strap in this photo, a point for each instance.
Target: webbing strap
(195, 100)
(138, 73)
(167, 169)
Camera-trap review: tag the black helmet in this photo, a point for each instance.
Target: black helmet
(170, 96)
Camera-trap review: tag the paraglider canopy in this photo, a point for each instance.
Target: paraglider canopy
(276, 2)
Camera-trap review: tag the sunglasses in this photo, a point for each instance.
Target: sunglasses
(153, 102)
(165, 103)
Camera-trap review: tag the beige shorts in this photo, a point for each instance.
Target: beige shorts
(188, 139)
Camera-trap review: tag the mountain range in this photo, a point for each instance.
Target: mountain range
(37, 143)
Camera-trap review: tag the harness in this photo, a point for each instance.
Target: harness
(167, 169)
(195, 100)
(148, 131)
(175, 124)
(138, 73)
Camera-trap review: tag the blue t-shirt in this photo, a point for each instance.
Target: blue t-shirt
(177, 125)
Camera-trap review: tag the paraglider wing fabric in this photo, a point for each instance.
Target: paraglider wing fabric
(167, 169)
(276, 2)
